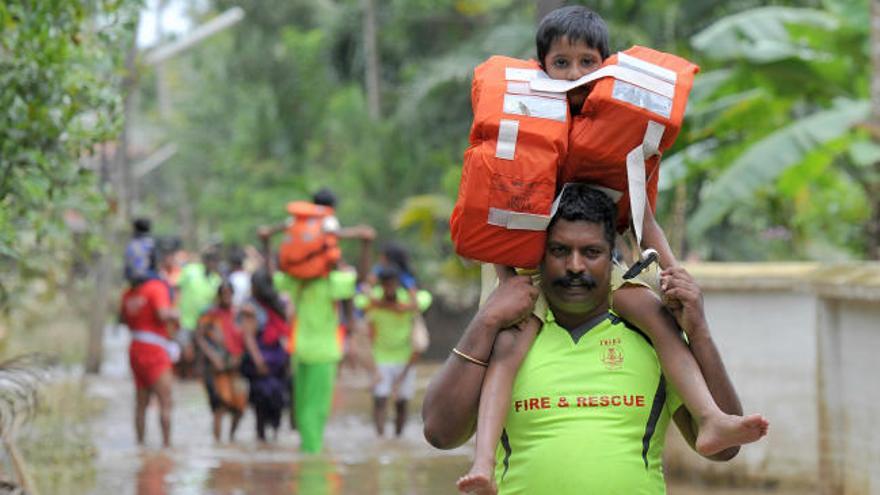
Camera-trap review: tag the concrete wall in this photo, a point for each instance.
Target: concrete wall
(798, 341)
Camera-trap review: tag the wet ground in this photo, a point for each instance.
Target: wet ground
(355, 460)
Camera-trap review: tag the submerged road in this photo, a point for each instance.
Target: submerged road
(355, 460)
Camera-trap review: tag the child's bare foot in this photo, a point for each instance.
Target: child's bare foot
(478, 481)
(725, 430)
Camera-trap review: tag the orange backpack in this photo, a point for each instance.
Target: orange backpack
(633, 113)
(517, 141)
(307, 251)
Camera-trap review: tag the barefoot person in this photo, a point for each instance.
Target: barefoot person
(389, 311)
(147, 311)
(584, 387)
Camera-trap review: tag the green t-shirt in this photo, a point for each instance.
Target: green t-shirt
(316, 313)
(587, 416)
(392, 342)
(197, 293)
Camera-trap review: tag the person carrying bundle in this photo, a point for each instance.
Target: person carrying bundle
(320, 287)
(572, 44)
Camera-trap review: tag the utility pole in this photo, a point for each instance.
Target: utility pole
(161, 83)
(371, 59)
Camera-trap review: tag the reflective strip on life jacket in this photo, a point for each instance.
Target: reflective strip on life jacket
(521, 74)
(536, 106)
(524, 88)
(655, 70)
(507, 133)
(517, 220)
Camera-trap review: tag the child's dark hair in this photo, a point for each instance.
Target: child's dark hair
(575, 22)
(398, 256)
(582, 202)
(141, 226)
(324, 197)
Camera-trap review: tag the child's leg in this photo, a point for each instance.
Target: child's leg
(379, 404)
(405, 391)
(510, 349)
(717, 429)
(400, 416)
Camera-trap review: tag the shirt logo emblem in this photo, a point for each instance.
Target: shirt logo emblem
(612, 354)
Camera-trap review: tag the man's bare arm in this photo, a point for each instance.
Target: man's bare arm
(685, 300)
(449, 410)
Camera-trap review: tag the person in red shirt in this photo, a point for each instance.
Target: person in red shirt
(148, 312)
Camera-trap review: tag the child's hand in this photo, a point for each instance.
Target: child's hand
(511, 302)
(684, 299)
(395, 387)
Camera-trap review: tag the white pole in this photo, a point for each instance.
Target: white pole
(222, 21)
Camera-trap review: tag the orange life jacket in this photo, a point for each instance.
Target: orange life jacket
(517, 141)
(307, 251)
(629, 118)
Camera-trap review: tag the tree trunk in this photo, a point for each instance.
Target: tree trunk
(125, 193)
(123, 163)
(98, 315)
(371, 59)
(545, 7)
(873, 227)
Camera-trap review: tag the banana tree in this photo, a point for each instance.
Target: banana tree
(774, 124)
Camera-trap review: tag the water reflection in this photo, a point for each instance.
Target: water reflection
(318, 476)
(151, 478)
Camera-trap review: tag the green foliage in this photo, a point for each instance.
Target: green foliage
(762, 35)
(784, 91)
(60, 73)
(762, 163)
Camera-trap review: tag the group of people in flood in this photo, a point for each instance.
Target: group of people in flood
(572, 369)
(267, 329)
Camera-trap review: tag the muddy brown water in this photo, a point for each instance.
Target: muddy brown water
(355, 461)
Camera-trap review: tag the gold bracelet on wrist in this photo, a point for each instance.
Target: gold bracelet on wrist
(471, 359)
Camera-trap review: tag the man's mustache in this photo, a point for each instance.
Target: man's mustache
(576, 280)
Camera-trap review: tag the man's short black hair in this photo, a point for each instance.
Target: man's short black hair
(324, 197)
(575, 22)
(585, 203)
(141, 226)
(210, 255)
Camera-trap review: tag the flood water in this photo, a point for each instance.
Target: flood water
(355, 461)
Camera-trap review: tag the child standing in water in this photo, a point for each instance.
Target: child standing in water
(572, 42)
(389, 310)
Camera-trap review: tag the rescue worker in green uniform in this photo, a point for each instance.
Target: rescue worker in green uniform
(589, 405)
